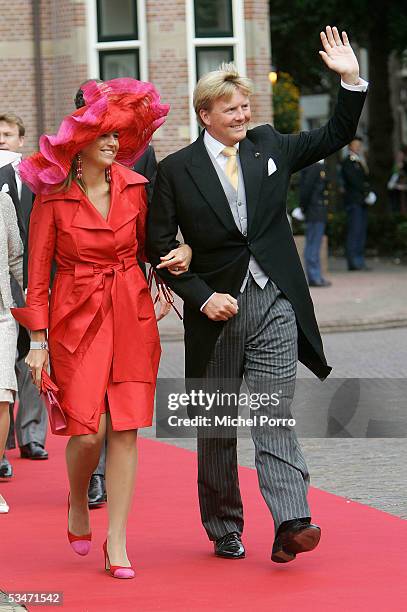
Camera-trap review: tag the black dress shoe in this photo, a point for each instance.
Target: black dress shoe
(293, 537)
(230, 547)
(359, 268)
(33, 450)
(96, 491)
(321, 283)
(6, 469)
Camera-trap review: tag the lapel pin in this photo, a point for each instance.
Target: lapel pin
(257, 154)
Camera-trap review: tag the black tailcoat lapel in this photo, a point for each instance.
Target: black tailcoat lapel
(252, 163)
(7, 175)
(204, 175)
(26, 204)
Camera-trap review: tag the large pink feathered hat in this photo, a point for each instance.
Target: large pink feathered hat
(130, 107)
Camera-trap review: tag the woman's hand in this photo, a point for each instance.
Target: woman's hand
(165, 306)
(177, 261)
(37, 359)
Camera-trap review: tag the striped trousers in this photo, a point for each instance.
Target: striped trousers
(259, 344)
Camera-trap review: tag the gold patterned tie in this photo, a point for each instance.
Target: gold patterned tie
(231, 165)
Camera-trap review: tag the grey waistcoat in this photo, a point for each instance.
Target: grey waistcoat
(238, 206)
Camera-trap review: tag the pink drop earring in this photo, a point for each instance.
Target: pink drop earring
(79, 167)
(108, 175)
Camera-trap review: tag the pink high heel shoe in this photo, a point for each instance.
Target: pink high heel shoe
(80, 544)
(117, 571)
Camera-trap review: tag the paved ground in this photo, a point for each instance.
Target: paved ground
(356, 300)
(371, 471)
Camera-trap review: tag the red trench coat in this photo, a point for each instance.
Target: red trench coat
(102, 331)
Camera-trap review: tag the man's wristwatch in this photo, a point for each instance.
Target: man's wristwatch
(39, 345)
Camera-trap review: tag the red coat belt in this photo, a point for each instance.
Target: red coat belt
(129, 292)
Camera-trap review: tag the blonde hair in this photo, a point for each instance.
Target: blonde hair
(221, 83)
(13, 119)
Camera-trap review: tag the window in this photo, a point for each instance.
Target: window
(117, 20)
(215, 35)
(118, 39)
(213, 18)
(115, 64)
(209, 58)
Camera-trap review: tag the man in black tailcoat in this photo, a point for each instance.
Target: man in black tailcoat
(314, 191)
(247, 308)
(31, 421)
(355, 178)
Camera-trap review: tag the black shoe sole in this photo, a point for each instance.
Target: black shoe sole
(303, 541)
(281, 556)
(96, 504)
(243, 556)
(23, 456)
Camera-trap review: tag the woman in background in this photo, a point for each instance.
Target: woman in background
(11, 262)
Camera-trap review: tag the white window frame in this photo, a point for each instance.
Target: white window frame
(238, 42)
(94, 46)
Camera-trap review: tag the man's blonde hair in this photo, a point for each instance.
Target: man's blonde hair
(13, 119)
(221, 83)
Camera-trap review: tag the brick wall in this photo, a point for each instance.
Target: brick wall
(258, 58)
(168, 70)
(63, 47)
(64, 64)
(63, 68)
(16, 63)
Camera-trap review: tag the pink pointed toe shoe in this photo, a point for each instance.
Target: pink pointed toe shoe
(117, 571)
(80, 544)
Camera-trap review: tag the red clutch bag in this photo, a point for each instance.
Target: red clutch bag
(56, 415)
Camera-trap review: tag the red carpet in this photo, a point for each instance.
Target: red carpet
(359, 565)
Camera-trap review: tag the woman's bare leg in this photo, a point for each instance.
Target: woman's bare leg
(121, 464)
(82, 457)
(4, 427)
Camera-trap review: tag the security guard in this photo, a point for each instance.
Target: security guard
(356, 188)
(314, 190)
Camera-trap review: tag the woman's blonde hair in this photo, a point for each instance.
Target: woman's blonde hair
(221, 83)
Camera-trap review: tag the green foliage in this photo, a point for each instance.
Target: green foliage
(379, 27)
(387, 235)
(401, 236)
(286, 98)
(336, 232)
(295, 26)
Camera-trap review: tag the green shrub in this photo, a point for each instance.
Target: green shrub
(286, 104)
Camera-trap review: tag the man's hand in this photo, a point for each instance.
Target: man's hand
(221, 307)
(338, 55)
(177, 261)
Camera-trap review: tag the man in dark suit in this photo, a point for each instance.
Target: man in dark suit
(31, 421)
(247, 307)
(314, 203)
(355, 176)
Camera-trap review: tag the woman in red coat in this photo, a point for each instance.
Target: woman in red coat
(89, 216)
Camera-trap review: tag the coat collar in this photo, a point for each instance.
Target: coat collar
(201, 169)
(121, 177)
(253, 168)
(205, 176)
(122, 209)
